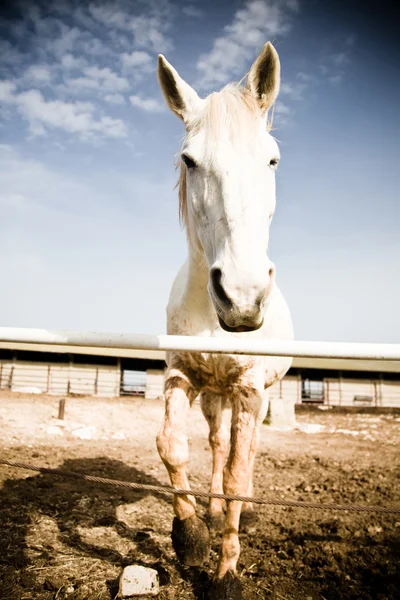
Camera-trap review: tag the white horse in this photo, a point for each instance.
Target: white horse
(226, 287)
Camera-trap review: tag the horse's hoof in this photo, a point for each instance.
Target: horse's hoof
(248, 521)
(191, 541)
(216, 521)
(226, 588)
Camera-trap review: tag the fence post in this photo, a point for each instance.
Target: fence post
(61, 409)
(48, 379)
(10, 378)
(119, 380)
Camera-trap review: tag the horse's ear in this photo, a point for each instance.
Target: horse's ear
(180, 97)
(264, 77)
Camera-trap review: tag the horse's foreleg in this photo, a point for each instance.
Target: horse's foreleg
(212, 407)
(190, 536)
(245, 411)
(249, 517)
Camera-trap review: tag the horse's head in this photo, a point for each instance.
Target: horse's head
(227, 185)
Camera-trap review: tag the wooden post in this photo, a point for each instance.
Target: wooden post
(61, 409)
(340, 388)
(381, 389)
(96, 381)
(10, 378)
(376, 392)
(299, 389)
(69, 374)
(48, 378)
(327, 392)
(118, 390)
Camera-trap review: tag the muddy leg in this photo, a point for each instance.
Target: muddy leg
(249, 516)
(245, 411)
(190, 536)
(212, 407)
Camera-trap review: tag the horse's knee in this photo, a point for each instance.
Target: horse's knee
(173, 447)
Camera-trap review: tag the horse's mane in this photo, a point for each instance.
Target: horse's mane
(233, 110)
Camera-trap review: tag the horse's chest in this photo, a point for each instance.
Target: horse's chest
(220, 374)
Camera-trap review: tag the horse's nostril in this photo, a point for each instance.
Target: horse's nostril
(216, 276)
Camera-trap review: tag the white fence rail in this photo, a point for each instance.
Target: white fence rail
(234, 344)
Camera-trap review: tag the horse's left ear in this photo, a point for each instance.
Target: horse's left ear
(264, 77)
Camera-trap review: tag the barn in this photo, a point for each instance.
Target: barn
(109, 372)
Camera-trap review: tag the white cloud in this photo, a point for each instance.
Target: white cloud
(305, 77)
(110, 15)
(95, 47)
(138, 60)
(335, 79)
(78, 84)
(40, 73)
(114, 98)
(339, 59)
(72, 117)
(69, 62)
(10, 55)
(281, 108)
(147, 104)
(293, 90)
(7, 89)
(102, 80)
(148, 29)
(149, 32)
(107, 78)
(250, 28)
(65, 41)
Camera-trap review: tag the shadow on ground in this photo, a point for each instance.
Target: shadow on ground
(70, 539)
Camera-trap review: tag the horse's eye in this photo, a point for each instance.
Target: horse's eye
(273, 163)
(189, 162)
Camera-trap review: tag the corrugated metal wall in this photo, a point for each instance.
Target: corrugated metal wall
(288, 388)
(60, 379)
(352, 392)
(64, 378)
(154, 383)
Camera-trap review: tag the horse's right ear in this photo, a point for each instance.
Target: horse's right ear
(180, 97)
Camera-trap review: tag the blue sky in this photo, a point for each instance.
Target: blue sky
(89, 232)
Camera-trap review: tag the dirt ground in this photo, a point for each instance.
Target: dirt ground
(69, 539)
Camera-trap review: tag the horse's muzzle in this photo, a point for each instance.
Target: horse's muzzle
(239, 328)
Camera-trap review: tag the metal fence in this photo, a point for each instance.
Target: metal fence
(228, 345)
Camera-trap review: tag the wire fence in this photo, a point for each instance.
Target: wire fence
(160, 489)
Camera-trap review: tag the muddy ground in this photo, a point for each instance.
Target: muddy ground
(69, 539)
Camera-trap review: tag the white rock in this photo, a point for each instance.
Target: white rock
(84, 433)
(310, 427)
(54, 430)
(138, 581)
